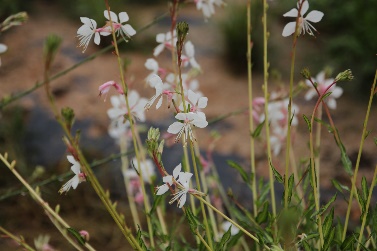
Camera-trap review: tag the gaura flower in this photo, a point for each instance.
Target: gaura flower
(188, 119)
(226, 225)
(104, 88)
(190, 56)
(119, 108)
(147, 169)
(86, 31)
(169, 180)
(322, 85)
(208, 6)
(181, 196)
(303, 22)
(165, 40)
(197, 102)
(77, 179)
(161, 88)
(125, 30)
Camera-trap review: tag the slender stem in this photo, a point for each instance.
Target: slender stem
(354, 177)
(203, 241)
(266, 97)
(366, 209)
(208, 232)
(251, 120)
(317, 148)
(17, 239)
(35, 195)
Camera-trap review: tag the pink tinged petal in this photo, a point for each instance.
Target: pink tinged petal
(128, 30)
(304, 8)
(114, 17)
(182, 200)
(162, 189)
(314, 16)
(97, 38)
(331, 103)
(291, 13)
(123, 17)
(289, 29)
(175, 128)
(202, 102)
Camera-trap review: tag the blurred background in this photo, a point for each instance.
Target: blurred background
(347, 39)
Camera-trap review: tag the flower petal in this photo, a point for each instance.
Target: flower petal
(182, 200)
(289, 29)
(304, 8)
(177, 171)
(291, 13)
(314, 16)
(128, 30)
(97, 38)
(75, 181)
(175, 128)
(114, 17)
(162, 189)
(123, 17)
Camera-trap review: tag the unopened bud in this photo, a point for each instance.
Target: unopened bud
(306, 73)
(14, 20)
(51, 47)
(344, 76)
(68, 115)
(85, 235)
(182, 30)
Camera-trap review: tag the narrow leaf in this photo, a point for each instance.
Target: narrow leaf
(76, 235)
(258, 130)
(277, 175)
(239, 168)
(307, 122)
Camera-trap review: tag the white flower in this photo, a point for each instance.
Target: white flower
(190, 58)
(322, 85)
(303, 23)
(119, 108)
(181, 196)
(152, 65)
(166, 41)
(86, 31)
(206, 6)
(198, 120)
(168, 180)
(78, 178)
(147, 169)
(156, 82)
(118, 127)
(226, 225)
(197, 102)
(123, 29)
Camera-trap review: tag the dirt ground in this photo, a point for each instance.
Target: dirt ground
(22, 66)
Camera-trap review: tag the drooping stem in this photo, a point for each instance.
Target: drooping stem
(16, 239)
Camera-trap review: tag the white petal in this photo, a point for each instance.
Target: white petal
(202, 102)
(182, 200)
(128, 30)
(151, 64)
(177, 171)
(97, 38)
(183, 116)
(175, 128)
(192, 97)
(159, 103)
(189, 48)
(184, 178)
(123, 17)
(289, 29)
(155, 80)
(71, 159)
(310, 94)
(3, 48)
(162, 189)
(159, 48)
(291, 13)
(114, 17)
(304, 8)
(75, 181)
(331, 103)
(314, 16)
(160, 38)
(337, 92)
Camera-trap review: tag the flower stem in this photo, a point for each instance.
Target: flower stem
(251, 120)
(17, 239)
(354, 177)
(203, 241)
(208, 232)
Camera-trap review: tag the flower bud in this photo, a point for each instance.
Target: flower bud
(85, 234)
(344, 76)
(305, 73)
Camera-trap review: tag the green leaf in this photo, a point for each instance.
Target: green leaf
(193, 220)
(362, 202)
(328, 240)
(291, 182)
(327, 224)
(348, 242)
(306, 246)
(347, 164)
(324, 208)
(339, 186)
(307, 122)
(327, 125)
(263, 215)
(222, 244)
(156, 201)
(139, 236)
(258, 130)
(364, 188)
(277, 175)
(239, 168)
(325, 95)
(375, 140)
(76, 235)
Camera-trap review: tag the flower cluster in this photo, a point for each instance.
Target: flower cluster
(89, 28)
(208, 6)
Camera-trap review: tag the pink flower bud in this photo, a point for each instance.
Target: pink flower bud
(104, 89)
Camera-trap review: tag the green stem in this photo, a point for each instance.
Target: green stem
(365, 214)
(203, 241)
(17, 239)
(251, 119)
(363, 136)
(317, 148)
